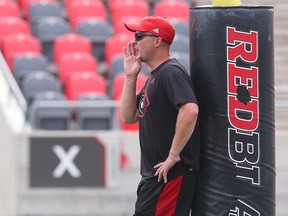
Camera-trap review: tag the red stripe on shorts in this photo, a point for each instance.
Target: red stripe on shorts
(167, 200)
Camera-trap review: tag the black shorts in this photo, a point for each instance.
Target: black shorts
(171, 199)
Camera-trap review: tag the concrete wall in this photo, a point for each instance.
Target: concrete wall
(8, 168)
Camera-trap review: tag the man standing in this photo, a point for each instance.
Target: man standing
(167, 111)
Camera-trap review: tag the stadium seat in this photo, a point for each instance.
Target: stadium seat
(180, 44)
(129, 8)
(25, 4)
(28, 63)
(12, 25)
(172, 9)
(124, 126)
(119, 81)
(71, 63)
(114, 46)
(80, 10)
(97, 31)
(36, 82)
(181, 27)
(18, 44)
(119, 26)
(71, 43)
(94, 118)
(67, 3)
(83, 83)
(44, 115)
(118, 84)
(117, 67)
(43, 10)
(47, 30)
(9, 9)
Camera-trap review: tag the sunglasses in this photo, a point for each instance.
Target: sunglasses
(138, 36)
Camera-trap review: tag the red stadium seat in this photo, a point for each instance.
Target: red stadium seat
(69, 43)
(67, 3)
(172, 9)
(118, 84)
(84, 9)
(114, 46)
(12, 25)
(129, 8)
(9, 9)
(124, 126)
(71, 63)
(119, 26)
(17, 44)
(83, 83)
(24, 4)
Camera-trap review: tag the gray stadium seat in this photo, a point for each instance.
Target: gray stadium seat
(44, 114)
(27, 63)
(43, 10)
(94, 118)
(180, 44)
(36, 82)
(47, 30)
(181, 27)
(117, 66)
(98, 31)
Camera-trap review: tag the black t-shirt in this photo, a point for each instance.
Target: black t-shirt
(158, 102)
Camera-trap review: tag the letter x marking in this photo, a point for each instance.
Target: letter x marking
(66, 161)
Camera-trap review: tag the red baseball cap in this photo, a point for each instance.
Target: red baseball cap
(156, 25)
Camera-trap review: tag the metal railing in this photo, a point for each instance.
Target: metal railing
(99, 109)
